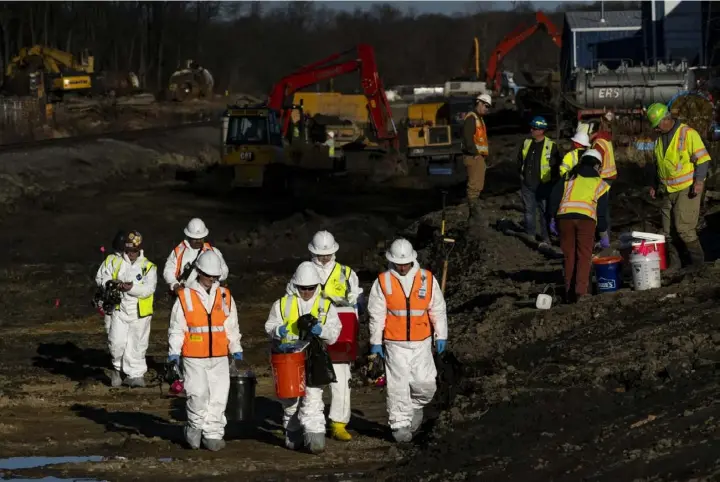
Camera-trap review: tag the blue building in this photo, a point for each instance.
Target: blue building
(584, 32)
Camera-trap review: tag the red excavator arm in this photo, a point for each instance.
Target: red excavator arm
(512, 40)
(378, 106)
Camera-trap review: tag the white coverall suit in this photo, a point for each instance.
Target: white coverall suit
(189, 255)
(340, 390)
(409, 365)
(312, 416)
(128, 335)
(207, 380)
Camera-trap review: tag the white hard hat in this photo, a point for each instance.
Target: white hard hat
(581, 138)
(196, 229)
(331, 134)
(484, 98)
(401, 252)
(323, 243)
(306, 275)
(209, 263)
(584, 127)
(594, 153)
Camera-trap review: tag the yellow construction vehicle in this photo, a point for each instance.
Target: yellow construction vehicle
(430, 139)
(62, 72)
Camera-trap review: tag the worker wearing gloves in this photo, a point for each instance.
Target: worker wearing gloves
(118, 247)
(475, 152)
(306, 298)
(580, 206)
(602, 142)
(537, 159)
(406, 306)
(204, 331)
(129, 331)
(682, 162)
(580, 142)
(179, 268)
(340, 285)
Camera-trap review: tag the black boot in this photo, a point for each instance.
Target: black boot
(673, 256)
(697, 255)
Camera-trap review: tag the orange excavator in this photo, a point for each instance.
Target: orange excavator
(493, 74)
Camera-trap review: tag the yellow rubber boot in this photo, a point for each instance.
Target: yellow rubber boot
(338, 432)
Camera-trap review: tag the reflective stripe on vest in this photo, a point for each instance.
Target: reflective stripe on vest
(581, 196)
(338, 283)
(180, 252)
(480, 136)
(290, 312)
(145, 305)
(407, 317)
(609, 170)
(205, 336)
(676, 164)
(545, 168)
(570, 160)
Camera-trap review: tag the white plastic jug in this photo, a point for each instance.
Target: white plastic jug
(645, 270)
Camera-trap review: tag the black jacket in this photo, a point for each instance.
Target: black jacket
(559, 190)
(529, 167)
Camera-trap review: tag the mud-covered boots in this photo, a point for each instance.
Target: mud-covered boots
(339, 432)
(294, 439)
(476, 216)
(213, 444)
(417, 420)
(402, 435)
(192, 437)
(673, 256)
(315, 442)
(115, 379)
(697, 255)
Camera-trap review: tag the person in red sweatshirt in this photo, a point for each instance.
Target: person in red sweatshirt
(602, 142)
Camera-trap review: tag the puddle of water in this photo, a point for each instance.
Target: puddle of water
(19, 463)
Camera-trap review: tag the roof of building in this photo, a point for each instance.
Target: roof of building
(613, 19)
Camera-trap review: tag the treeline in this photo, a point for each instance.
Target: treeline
(249, 45)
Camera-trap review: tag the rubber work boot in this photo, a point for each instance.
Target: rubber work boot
(476, 217)
(192, 437)
(417, 420)
(697, 255)
(293, 440)
(315, 442)
(338, 432)
(213, 444)
(115, 379)
(402, 435)
(136, 382)
(674, 262)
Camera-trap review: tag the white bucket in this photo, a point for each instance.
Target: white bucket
(645, 270)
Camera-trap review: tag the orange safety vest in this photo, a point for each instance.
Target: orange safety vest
(407, 318)
(480, 137)
(206, 335)
(180, 251)
(608, 170)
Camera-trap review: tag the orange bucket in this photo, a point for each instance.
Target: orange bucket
(289, 374)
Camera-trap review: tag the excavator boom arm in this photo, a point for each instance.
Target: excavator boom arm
(378, 105)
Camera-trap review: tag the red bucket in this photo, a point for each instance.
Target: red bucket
(289, 374)
(653, 242)
(345, 348)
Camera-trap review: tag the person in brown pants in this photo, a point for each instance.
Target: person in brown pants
(475, 151)
(581, 206)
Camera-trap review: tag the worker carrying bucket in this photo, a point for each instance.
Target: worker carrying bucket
(303, 405)
(204, 330)
(340, 285)
(580, 207)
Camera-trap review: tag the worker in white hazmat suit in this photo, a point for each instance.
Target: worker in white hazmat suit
(179, 268)
(407, 310)
(282, 325)
(341, 286)
(118, 247)
(129, 331)
(204, 331)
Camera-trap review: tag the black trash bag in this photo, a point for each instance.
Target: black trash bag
(319, 369)
(449, 374)
(305, 324)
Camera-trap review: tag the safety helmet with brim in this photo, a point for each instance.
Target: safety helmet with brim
(539, 122)
(591, 157)
(196, 229)
(323, 243)
(306, 277)
(656, 113)
(581, 138)
(401, 252)
(209, 264)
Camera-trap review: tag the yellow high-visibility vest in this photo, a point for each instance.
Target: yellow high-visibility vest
(581, 196)
(290, 312)
(609, 170)
(545, 167)
(570, 160)
(145, 305)
(676, 163)
(338, 283)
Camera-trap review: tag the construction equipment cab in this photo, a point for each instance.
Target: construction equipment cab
(251, 140)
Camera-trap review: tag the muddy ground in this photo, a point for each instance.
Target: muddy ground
(554, 395)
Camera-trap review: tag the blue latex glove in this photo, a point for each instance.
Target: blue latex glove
(605, 241)
(282, 331)
(377, 350)
(174, 359)
(237, 356)
(553, 227)
(440, 345)
(316, 329)
(285, 347)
